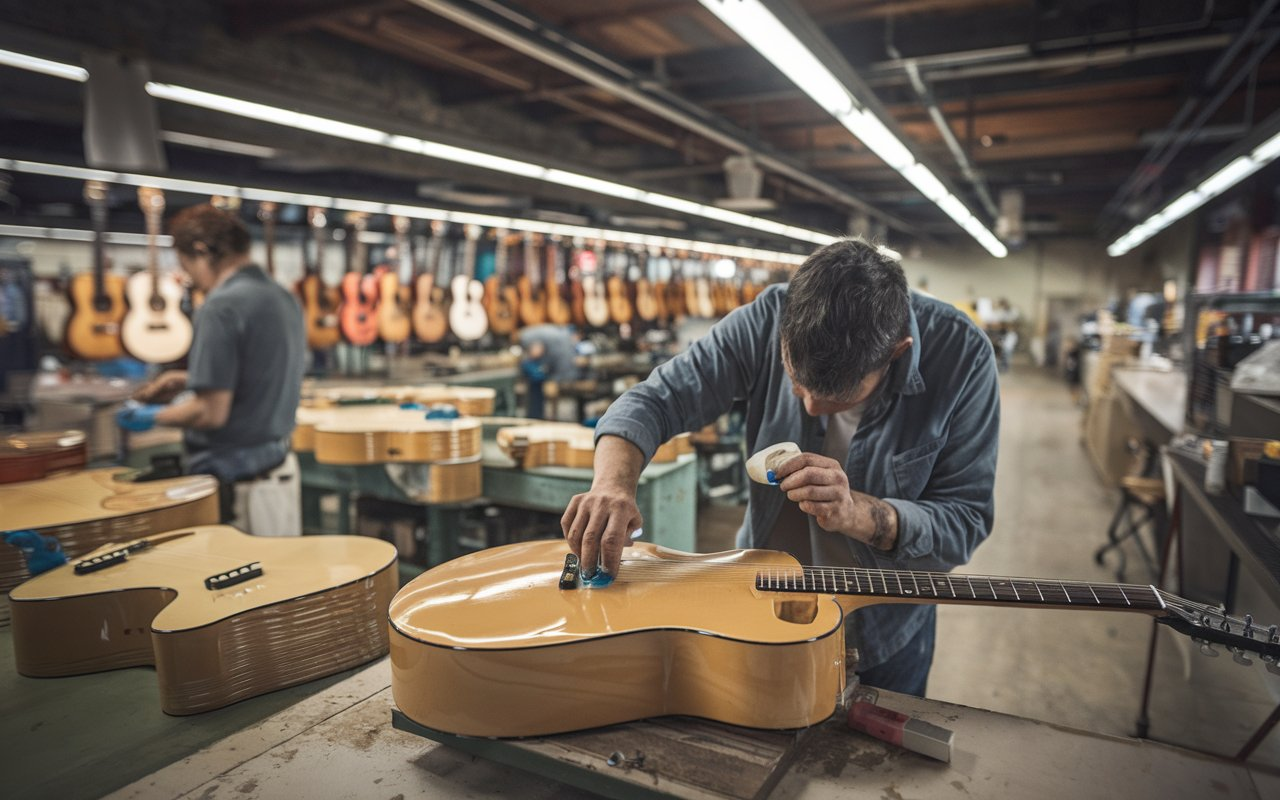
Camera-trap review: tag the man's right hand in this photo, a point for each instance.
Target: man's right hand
(598, 524)
(164, 388)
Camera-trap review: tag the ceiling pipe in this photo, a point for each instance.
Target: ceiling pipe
(1169, 145)
(542, 42)
(939, 119)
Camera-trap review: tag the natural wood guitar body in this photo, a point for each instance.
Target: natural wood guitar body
(561, 444)
(84, 510)
(489, 645)
(319, 312)
(407, 437)
(317, 607)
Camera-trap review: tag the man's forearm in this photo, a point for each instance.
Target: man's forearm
(876, 522)
(618, 464)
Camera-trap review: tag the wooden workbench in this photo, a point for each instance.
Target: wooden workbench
(340, 743)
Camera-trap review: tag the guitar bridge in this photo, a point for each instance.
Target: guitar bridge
(106, 560)
(232, 577)
(569, 575)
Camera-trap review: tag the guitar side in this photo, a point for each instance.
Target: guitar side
(205, 642)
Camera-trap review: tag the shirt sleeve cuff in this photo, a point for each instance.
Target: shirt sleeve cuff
(630, 429)
(913, 529)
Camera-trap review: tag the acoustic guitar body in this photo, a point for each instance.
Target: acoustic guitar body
(620, 310)
(467, 318)
(93, 329)
(489, 644)
(533, 303)
(155, 330)
(84, 510)
(430, 322)
(302, 608)
(358, 316)
(595, 303)
(501, 305)
(319, 307)
(394, 325)
(32, 456)
(646, 301)
(675, 300)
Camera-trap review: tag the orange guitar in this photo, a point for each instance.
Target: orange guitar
(358, 316)
(620, 310)
(533, 299)
(97, 298)
(648, 306)
(558, 311)
(512, 641)
(430, 313)
(319, 301)
(393, 305)
(501, 301)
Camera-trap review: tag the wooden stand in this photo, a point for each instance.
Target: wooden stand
(669, 757)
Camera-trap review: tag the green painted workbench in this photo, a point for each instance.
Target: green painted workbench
(667, 497)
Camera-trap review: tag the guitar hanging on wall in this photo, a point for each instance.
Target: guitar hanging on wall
(501, 301)
(319, 301)
(758, 640)
(467, 319)
(155, 330)
(533, 299)
(358, 316)
(595, 303)
(430, 316)
(394, 324)
(97, 298)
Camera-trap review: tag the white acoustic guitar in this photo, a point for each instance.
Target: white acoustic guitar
(222, 616)
(467, 317)
(155, 330)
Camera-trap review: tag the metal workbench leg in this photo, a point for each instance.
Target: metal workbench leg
(1175, 533)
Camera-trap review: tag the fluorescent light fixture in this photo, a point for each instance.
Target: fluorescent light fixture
(57, 69)
(1237, 170)
(878, 138)
(446, 152)
(758, 27)
(79, 235)
(1267, 151)
(1228, 176)
(221, 145)
(924, 180)
(373, 207)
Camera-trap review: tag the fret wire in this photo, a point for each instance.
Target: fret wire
(898, 576)
(870, 583)
(1016, 596)
(845, 575)
(916, 583)
(1037, 585)
(1064, 591)
(953, 587)
(972, 591)
(1095, 594)
(1122, 594)
(994, 595)
(857, 583)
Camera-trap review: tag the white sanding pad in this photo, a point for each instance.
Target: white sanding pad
(769, 459)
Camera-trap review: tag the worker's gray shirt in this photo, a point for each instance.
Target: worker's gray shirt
(250, 339)
(927, 445)
(559, 362)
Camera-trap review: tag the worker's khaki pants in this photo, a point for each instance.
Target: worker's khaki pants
(271, 506)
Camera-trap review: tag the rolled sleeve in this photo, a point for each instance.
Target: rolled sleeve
(697, 386)
(941, 529)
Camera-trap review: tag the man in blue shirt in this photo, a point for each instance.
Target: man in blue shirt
(892, 396)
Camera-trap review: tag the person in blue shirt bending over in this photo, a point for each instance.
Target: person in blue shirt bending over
(894, 399)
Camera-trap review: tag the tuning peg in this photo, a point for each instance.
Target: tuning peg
(1239, 657)
(1206, 649)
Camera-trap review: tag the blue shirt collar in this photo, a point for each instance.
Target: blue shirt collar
(904, 375)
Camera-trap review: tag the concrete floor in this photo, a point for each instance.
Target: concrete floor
(1082, 669)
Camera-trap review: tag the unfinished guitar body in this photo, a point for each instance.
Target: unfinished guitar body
(490, 645)
(223, 616)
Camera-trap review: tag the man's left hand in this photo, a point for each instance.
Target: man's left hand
(137, 418)
(821, 488)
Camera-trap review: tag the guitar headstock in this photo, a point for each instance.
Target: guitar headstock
(225, 202)
(1209, 626)
(316, 217)
(150, 200)
(400, 225)
(472, 232)
(267, 211)
(95, 193)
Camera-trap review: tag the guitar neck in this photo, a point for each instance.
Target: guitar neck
(943, 587)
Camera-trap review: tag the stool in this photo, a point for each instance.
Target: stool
(1146, 497)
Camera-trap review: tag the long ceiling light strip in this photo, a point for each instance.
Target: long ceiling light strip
(411, 144)
(182, 185)
(758, 27)
(1217, 183)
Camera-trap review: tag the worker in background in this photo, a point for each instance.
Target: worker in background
(892, 396)
(549, 357)
(239, 393)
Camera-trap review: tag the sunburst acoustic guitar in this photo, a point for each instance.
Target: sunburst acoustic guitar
(394, 307)
(223, 616)
(87, 509)
(97, 297)
(510, 642)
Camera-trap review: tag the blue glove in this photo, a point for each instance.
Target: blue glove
(442, 411)
(42, 553)
(533, 371)
(138, 418)
(413, 407)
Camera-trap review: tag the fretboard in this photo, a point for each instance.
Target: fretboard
(945, 587)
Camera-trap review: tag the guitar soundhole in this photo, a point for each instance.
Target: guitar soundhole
(102, 304)
(157, 304)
